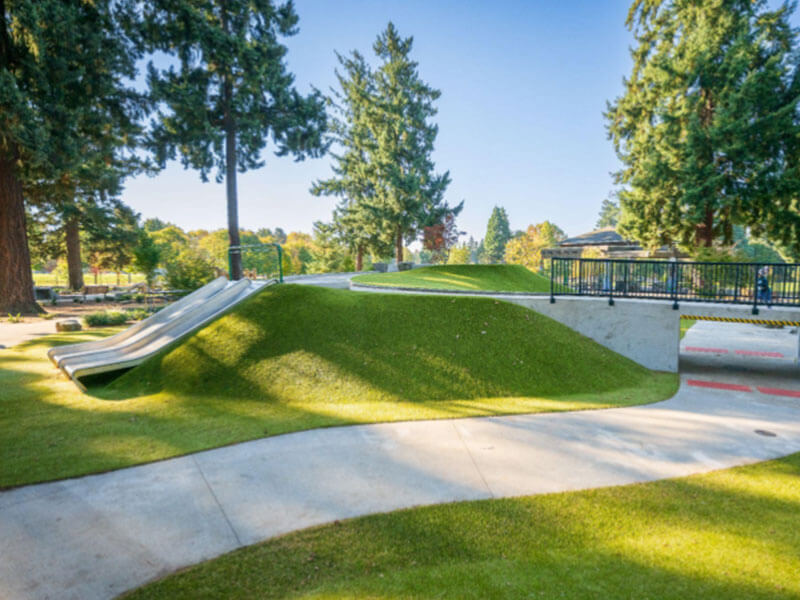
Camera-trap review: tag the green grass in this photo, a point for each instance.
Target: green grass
(731, 534)
(493, 278)
(686, 324)
(300, 357)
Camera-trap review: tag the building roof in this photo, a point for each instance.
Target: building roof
(598, 237)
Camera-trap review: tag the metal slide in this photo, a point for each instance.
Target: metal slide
(137, 343)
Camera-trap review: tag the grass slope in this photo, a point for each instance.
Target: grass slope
(297, 357)
(730, 534)
(493, 278)
(334, 348)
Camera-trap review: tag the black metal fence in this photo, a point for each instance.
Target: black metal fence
(678, 281)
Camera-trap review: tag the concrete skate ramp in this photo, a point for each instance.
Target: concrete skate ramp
(137, 343)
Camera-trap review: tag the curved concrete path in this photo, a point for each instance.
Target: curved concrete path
(97, 536)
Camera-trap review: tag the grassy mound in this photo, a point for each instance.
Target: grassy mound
(294, 358)
(730, 534)
(490, 278)
(333, 348)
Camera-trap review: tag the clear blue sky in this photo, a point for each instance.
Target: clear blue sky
(524, 85)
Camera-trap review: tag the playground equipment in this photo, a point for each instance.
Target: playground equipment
(144, 339)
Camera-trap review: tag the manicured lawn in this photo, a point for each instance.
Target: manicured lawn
(686, 324)
(731, 534)
(300, 357)
(495, 278)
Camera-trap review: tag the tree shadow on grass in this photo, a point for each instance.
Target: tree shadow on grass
(685, 538)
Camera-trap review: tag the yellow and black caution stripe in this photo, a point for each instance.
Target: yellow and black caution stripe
(738, 320)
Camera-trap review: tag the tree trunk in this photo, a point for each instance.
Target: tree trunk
(230, 169)
(398, 247)
(233, 212)
(359, 258)
(16, 277)
(74, 265)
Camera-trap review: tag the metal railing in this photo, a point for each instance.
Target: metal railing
(259, 261)
(677, 281)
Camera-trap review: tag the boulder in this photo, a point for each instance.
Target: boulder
(68, 325)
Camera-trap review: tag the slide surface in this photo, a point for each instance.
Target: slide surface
(140, 341)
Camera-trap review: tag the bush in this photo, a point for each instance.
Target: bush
(189, 270)
(105, 318)
(137, 314)
(139, 298)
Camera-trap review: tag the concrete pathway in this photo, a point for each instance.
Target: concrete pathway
(332, 280)
(12, 334)
(97, 536)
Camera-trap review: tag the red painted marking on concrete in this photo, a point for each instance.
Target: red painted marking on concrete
(719, 386)
(757, 353)
(779, 392)
(699, 349)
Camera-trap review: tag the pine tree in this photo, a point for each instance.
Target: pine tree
(498, 233)
(708, 125)
(385, 173)
(407, 188)
(51, 96)
(357, 218)
(230, 91)
(609, 214)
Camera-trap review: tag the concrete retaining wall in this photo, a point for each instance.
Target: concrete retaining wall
(646, 332)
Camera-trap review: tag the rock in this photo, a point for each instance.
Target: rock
(68, 325)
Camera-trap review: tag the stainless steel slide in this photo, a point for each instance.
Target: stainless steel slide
(137, 343)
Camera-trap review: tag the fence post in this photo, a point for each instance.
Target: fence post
(552, 276)
(674, 279)
(280, 263)
(231, 250)
(610, 267)
(755, 289)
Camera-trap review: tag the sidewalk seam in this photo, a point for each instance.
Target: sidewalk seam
(475, 464)
(219, 505)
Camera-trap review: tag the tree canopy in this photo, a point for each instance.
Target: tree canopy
(384, 172)
(498, 233)
(60, 114)
(707, 127)
(609, 214)
(230, 91)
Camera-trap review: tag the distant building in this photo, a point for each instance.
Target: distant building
(604, 243)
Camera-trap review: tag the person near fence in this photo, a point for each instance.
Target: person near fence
(762, 283)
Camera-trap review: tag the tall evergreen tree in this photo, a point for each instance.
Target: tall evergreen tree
(609, 214)
(63, 64)
(408, 190)
(498, 233)
(357, 217)
(384, 172)
(230, 91)
(708, 126)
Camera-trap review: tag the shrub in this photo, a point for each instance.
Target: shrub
(189, 270)
(137, 314)
(105, 318)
